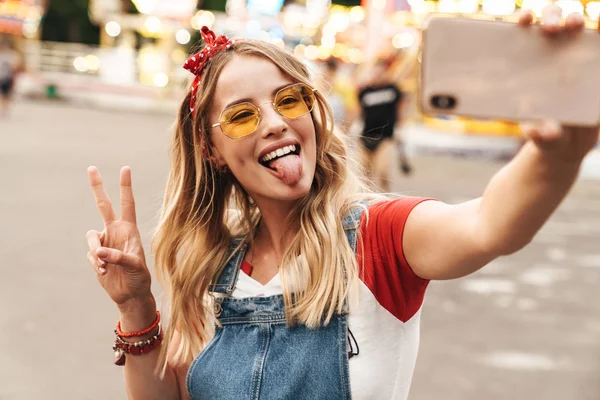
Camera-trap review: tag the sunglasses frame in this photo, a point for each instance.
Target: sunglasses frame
(257, 107)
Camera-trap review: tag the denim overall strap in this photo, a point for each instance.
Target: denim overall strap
(351, 223)
(228, 278)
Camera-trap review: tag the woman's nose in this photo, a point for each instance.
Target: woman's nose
(272, 123)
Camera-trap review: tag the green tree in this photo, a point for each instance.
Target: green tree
(68, 21)
(214, 5)
(347, 3)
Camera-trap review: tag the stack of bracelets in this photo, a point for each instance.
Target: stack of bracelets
(122, 347)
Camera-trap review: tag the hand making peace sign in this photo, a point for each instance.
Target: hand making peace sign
(116, 253)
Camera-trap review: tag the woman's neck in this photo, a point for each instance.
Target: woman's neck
(273, 231)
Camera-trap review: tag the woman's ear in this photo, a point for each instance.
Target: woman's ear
(214, 155)
(217, 159)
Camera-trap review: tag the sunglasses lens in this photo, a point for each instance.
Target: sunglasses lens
(295, 101)
(239, 120)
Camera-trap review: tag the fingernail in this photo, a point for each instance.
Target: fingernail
(101, 263)
(102, 270)
(101, 252)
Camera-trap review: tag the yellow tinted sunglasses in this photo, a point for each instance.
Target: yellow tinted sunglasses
(290, 102)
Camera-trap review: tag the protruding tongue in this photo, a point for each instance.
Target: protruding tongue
(289, 168)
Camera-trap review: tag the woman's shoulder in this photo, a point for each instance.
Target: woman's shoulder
(381, 208)
(374, 201)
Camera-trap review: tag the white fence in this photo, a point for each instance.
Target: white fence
(68, 64)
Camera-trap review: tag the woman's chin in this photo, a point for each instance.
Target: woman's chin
(290, 193)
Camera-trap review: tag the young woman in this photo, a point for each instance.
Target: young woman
(381, 102)
(286, 278)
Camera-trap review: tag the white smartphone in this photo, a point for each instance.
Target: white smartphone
(500, 70)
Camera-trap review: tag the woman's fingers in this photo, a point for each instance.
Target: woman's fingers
(526, 17)
(114, 256)
(574, 22)
(94, 261)
(94, 239)
(543, 133)
(102, 200)
(127, 200)
(551, 19)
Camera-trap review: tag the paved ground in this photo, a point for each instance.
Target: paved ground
(526, 327)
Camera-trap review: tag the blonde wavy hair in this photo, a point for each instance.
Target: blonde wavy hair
(196, 224)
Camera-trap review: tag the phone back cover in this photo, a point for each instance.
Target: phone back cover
(500, 70)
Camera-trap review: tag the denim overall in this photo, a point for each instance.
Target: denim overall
(254, 355)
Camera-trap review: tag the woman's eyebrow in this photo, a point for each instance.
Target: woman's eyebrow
(249, 100)
(236, 102)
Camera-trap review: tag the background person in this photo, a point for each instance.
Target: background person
(9, 60)
(381, 102)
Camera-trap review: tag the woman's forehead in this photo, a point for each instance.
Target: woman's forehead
(248, 77)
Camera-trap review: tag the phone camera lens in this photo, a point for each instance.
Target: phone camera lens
(443, 102)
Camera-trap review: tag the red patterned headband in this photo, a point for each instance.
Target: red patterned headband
(196, 63)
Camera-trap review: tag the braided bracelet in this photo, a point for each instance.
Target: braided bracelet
(149, 329)
(121, 347)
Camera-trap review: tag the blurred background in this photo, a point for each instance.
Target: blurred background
(97, 83)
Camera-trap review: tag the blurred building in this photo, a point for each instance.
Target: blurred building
(152, 43)
(21, 17)
(142, 52)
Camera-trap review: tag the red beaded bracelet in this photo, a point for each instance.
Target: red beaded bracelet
(139, 333)
(121, 347)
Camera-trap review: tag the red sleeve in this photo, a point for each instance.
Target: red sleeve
(384, 268)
